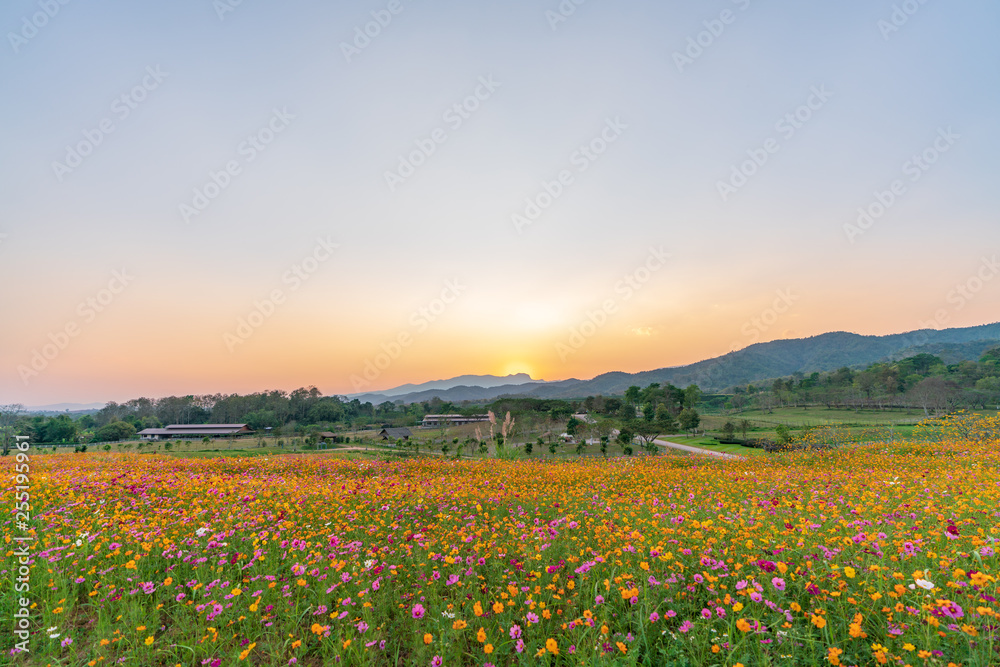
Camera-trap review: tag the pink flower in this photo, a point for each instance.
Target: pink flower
(436, 661)
(418, 611)
(778, 583)
(654, 617)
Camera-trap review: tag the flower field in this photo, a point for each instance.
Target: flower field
(877, 554)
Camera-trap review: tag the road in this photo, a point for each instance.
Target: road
(695, 450)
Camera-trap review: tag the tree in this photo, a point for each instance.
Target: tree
(114, 431)
(632, 395)
(728, 430)
(647, 431)
(745, 425)
(625, 437)
(8, 417)
(783, 434)
(664, 420)
(573, 426)
(692, 396)
(60, 429)
(932, 393)
(689, 419)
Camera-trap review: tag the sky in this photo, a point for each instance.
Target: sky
(232, 196)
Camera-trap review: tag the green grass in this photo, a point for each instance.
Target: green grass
(713, 445)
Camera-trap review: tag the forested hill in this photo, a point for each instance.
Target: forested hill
(761, 361)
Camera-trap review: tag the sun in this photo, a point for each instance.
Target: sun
(514, 367)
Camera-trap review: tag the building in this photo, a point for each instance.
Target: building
(395, 434)
(190, 431)
(439, 420)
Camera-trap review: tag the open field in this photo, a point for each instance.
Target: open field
(865, 555)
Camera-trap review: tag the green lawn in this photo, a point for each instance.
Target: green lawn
(713, 445)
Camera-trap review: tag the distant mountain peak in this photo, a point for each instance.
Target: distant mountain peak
(483, 381)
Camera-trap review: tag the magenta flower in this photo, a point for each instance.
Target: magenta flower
(418, 611)
(654, 617)
(436, 661)
(686, 626)
(778, 583)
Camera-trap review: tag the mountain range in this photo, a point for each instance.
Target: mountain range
(753, 364)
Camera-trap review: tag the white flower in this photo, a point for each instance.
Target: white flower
(201, 532)
(926, 585)
(53, 628)
(55, 636)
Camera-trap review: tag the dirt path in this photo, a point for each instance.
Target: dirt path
(695, 450)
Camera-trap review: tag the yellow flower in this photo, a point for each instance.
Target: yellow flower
(849, 572)
(235, 592)
(149, 640)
